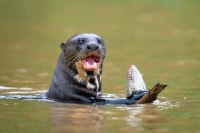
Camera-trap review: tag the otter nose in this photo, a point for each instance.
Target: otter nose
(92, 47)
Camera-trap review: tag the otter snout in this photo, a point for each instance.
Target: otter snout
(92, 47)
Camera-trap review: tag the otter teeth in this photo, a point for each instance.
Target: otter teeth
(91, 65)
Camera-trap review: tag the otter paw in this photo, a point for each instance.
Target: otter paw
(136, 95)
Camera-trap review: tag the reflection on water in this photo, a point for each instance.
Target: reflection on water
(68, 117)
(65, 117)
(132, 117)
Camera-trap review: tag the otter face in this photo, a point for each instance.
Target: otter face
(84, 53)
(86, 49)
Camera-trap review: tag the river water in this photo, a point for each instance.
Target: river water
(162, 38)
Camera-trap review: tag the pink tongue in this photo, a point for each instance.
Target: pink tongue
(89, 63)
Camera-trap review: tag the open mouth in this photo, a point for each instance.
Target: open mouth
(91, 62)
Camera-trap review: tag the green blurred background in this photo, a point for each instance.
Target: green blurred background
(161, 37)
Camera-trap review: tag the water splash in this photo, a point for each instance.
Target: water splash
(167, 104)
(24, 93)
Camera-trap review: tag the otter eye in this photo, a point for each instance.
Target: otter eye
(81, 41)
(99, 41)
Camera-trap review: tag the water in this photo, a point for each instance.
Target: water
(160, 37)
(21, 111)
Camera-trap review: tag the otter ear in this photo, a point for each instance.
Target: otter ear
(63, 45)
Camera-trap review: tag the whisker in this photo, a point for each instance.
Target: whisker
(70, 61)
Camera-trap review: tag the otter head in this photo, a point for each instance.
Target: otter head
(88, 49)
(85, 53)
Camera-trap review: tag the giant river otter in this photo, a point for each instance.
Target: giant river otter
(77, 76)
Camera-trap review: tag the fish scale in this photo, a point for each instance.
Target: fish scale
(135, 81)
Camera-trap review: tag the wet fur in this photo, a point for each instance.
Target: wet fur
(71, 82)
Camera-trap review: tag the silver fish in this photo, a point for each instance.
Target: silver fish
(135, 81)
